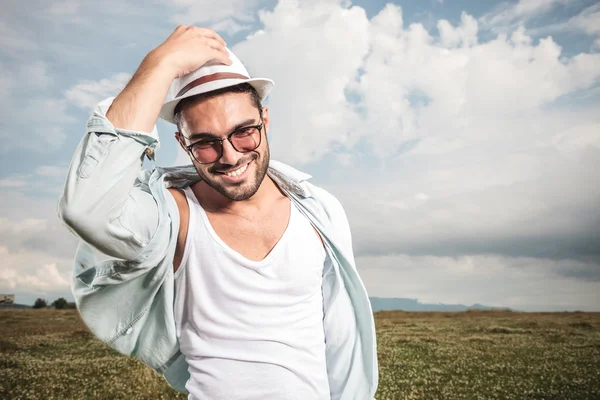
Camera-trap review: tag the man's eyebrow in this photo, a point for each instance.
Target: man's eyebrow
(209, 135)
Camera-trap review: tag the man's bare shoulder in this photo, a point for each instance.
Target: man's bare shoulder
(177, 195)
(184, 216)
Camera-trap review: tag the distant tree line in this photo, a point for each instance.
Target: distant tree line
(60, 304)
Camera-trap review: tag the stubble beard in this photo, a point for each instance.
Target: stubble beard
(248, 188)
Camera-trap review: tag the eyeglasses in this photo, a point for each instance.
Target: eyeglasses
(210, 150)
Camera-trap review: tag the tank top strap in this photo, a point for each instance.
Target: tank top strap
(193, 203)
(191, 197)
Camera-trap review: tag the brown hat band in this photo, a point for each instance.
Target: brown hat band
(209, 78)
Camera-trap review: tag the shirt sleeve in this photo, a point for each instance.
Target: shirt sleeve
(106, 201)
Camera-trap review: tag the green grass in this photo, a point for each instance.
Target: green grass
(469, 355)
(489, 355)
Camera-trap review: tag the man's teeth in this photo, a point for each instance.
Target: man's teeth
(238, 171)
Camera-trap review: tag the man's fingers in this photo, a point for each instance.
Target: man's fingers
(179, 30)
(209, 33)
(221, 51)
(222, 56)
(215, 44)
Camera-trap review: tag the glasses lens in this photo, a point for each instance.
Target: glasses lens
(246, 140)
(207, 151)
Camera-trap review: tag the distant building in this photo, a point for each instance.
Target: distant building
(7, 298)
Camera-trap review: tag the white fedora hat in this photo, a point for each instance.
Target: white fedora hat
(212, 76)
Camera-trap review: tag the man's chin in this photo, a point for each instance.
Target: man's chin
(238, 190)
(238, 193)
(240, 187)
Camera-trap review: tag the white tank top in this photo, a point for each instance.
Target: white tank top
(251, 329)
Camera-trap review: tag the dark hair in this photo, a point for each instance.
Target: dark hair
(241, 88)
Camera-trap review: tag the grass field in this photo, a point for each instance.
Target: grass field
(49, 354)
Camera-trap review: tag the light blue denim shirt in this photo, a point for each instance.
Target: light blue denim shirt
(128, 223)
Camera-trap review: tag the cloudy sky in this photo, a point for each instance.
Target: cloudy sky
(462, 136)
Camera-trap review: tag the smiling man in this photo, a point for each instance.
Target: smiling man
(234, 277)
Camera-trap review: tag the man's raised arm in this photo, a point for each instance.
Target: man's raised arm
(100, 202)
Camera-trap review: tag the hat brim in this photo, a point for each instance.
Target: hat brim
(262, 86)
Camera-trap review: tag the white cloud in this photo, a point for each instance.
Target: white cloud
(34, 120)
(465, 87)
(42, 180)
(577, 137)
(35, 248)
(299, 48)
(51, 171)
(30, 118)
(29, 222)
(230, 16)
(65, 7)
(497, 199)
(15, 39)
(465, 34)
(588, 20)
(40, 127)
(229, 26)
(511, 14)
(28, 79)
(44, 279)
(13, 182)
(36, 74)
(87, 94)
(519, 283)
(532, 7)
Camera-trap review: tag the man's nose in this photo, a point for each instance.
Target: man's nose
(230, 155)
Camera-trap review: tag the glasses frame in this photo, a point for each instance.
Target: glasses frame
(259, 127)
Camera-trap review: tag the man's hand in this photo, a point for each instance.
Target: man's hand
(185, 50)
(188, 48)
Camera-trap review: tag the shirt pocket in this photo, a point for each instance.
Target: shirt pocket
(96, 148)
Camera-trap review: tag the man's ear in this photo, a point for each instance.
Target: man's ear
(265, 117)
(179, 137)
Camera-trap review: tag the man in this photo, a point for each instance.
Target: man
(234, 277)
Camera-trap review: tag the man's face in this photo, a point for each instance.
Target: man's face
(235, 175)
